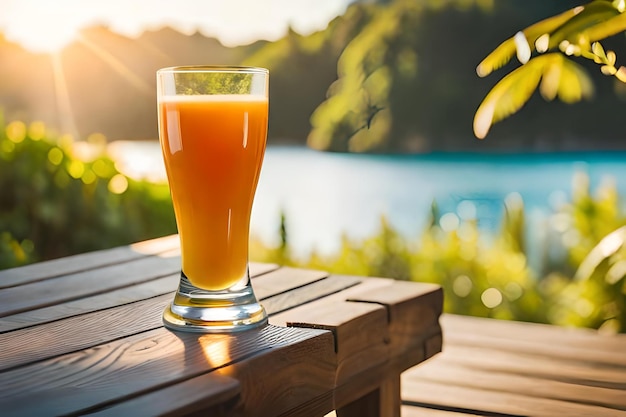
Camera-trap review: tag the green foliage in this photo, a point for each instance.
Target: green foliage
(198, 83)
(302, 68)
(55, 203)
(574, 33)
(555, 76)
(490, 276)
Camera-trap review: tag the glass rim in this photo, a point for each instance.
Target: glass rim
(213, 69)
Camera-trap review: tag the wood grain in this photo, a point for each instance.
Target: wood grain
(307, 293)
(472, 401)
(582, 344)
(538, 366)
(71, 287)
(84, 262)
(443, 371)
(101, 348)
(413, 311)
(81, 332)
(86, 330)
(283, 280)
(124, 368)
(209, 394)
(493, 367)
(116, 297)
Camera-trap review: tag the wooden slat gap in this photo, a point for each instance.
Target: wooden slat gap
(332, 331)
(79, 297)
(551, 377)
(83, 313)
(504, 389)
(119, 400)
(464, 411)
(530, 354)
(78, 271)
(292, 288)
(70, 352)
(269, 271)
(311, 300)
(385, 306)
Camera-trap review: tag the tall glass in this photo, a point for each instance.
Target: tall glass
(213, 131)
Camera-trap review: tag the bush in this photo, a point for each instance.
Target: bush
(583, 283)
(55, 202)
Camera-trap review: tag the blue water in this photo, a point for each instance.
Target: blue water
(325, 195)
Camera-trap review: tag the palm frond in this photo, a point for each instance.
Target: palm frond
(559, 76)
(596, 13)
(500, 56)
(508, 96)
(565, 79)
(605, 29)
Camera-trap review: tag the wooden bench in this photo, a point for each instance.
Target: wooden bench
(509, 369)
(83, 336)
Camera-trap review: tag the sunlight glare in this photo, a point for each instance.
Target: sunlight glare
(48, 26)
(216, 350)
(48, 29)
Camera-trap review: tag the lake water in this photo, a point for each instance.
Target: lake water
(326, 194)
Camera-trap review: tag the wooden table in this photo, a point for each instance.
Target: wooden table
(83, 335)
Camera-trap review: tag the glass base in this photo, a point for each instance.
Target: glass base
(231, 310)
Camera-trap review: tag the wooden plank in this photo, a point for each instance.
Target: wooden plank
(443, 371)
(564, 349)
(361, 336)
(76, 333)
(125, 295)
(481, 402)
(258, 268)
(550, 368)
(146, 362)
(397, 305)
(410, 410)
(285, 279)
(88, 329)
(359, 329)
(86, 261)
(382, 402)
(413, 313)
(71, 287)
(586, 344)
(304, 294)
(363, 285)
(295, 381)
(208, 393)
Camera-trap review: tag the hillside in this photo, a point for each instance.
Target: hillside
(421, 97)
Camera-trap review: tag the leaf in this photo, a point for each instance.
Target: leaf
(565, 79)
(500, 56)
(507, 96)
(559, 77)
(574, 83)
(607, 70)
(592, 14)
(605, 29)
(597, 49)
(607, 247)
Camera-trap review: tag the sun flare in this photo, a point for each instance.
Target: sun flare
(43, 36)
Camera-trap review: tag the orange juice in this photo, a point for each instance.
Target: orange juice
(213, 147)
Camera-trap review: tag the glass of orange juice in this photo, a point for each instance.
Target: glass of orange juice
(213, 132)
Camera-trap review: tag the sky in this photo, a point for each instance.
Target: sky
(48, 25)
